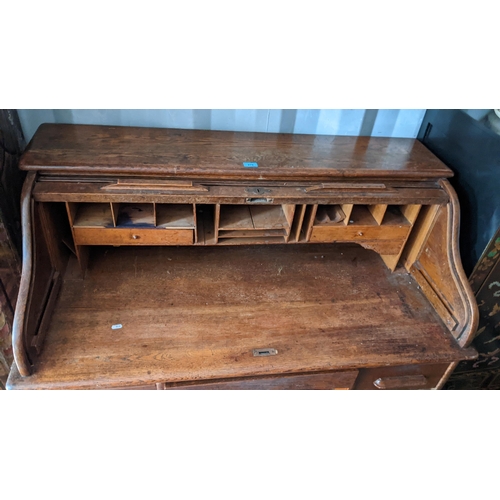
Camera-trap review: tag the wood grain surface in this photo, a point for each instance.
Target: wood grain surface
(60, 148)
(311, 381)
(197, 313)
(439, 271)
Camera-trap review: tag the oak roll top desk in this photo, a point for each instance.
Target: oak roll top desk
(190, 259)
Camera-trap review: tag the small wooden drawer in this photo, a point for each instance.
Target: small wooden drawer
(132, 236)
(358, 233)
(318, 381)
(401, 377)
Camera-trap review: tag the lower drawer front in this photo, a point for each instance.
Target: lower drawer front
(401, 377)
(319, 381)
(131, 236)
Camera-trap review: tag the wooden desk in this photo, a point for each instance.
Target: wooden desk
(186, 259)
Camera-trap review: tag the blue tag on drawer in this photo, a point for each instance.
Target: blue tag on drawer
(250, 164)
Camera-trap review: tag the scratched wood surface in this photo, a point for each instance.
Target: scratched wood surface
(60, 148)
(196, 313)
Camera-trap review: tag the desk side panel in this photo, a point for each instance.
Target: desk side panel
(437, 267)
(44, 261)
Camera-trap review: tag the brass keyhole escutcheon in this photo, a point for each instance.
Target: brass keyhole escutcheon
(268, 351)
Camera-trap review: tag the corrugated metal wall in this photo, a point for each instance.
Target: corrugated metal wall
(370, 122)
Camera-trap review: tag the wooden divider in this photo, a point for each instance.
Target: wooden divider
(380, 227)
(130, 224)
(378, 212)
(410, 212)
(347, 209)
(300, 211)
(82, 252)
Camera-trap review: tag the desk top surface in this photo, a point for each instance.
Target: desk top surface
(197, 313)
(102, 150)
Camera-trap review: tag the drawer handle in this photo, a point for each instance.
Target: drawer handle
(135, 237)
(400, 382)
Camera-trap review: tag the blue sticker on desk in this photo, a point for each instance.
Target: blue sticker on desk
(250, 164)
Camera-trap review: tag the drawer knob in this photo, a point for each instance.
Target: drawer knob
(135, 236)
(409, 381)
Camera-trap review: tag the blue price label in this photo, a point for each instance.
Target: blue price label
(250, 164)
